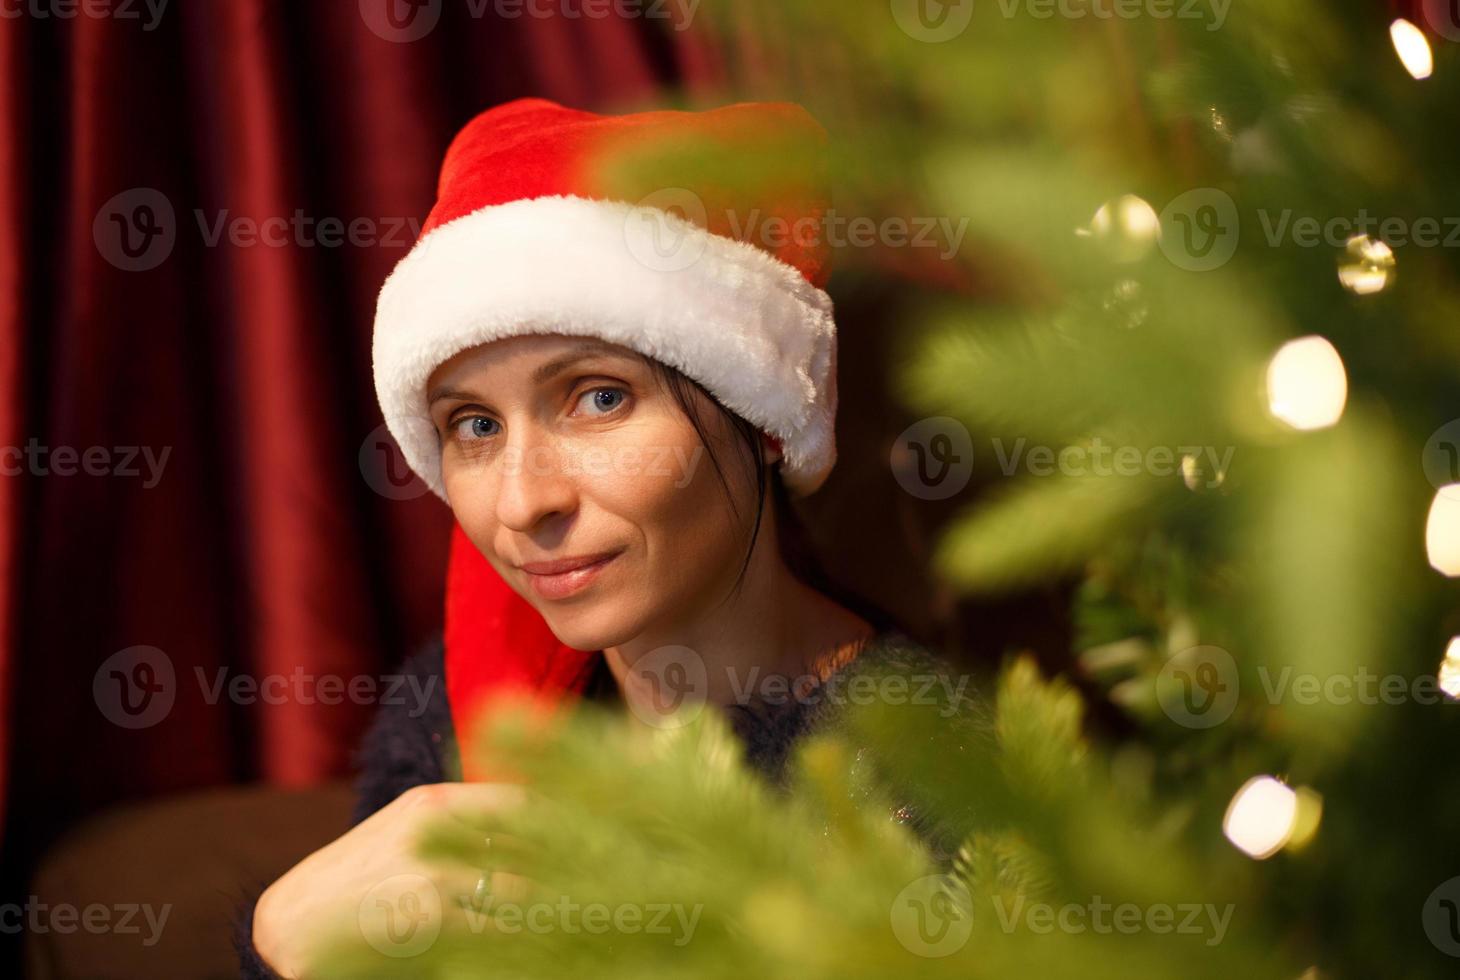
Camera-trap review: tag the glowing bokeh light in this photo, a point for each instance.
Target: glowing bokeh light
(1367, 265)
(1307, 386)
(1450, 669)
(1128, 226)
(1413, 48)
(1261, 817)
(1442, 531)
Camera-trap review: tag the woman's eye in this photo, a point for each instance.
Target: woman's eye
(602, 401)
(474, 427)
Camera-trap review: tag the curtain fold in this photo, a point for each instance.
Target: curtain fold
(175, 301)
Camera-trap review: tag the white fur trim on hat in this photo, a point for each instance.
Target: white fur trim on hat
(746, 325)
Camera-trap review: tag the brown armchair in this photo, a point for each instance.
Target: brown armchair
(197, 857)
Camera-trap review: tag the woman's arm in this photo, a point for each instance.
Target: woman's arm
(402, 748)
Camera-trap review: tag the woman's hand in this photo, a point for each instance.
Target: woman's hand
(370, 882)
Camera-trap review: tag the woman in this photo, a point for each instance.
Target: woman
(606, 396)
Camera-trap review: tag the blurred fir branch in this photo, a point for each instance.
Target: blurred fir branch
(1302, 554)
(822, 879)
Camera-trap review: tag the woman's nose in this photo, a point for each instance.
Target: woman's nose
(535, 483)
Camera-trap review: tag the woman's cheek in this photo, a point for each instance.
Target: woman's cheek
(470, 499)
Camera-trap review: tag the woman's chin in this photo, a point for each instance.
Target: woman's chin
(588, 628)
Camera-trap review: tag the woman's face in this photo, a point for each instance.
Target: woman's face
(556, 448)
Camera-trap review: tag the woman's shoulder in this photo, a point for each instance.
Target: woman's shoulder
(891, 667)
(411, 738)
(893, 650)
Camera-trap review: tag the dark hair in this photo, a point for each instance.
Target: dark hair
(795, 542)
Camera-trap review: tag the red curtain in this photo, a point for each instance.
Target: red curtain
(197, 492)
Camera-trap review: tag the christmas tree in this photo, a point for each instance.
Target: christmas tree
(1198, 353)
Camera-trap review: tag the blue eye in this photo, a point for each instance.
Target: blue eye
(474, 427)
(602, 401)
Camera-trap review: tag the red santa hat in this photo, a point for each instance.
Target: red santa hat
(693, 238)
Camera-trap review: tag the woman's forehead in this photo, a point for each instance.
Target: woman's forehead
(527, 352)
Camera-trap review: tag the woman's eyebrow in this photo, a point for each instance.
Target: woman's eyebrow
(436, 394)
(541, 373)
(585, 350)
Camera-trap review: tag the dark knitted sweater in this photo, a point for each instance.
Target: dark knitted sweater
(406, 747)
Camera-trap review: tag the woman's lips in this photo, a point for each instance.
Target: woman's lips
(563, 584)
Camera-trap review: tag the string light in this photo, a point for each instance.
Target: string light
(1367, 265)
(1307, 386)
(1128, 226)
(1442, 531)
(1449, 673)
(1261, 817)
(1413, 49)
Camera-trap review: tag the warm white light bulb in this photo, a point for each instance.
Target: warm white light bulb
(1261, 817)
(1307, 386)
(1127, 226)
(1442, 531)
(1450, 669)
(1413, 48)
